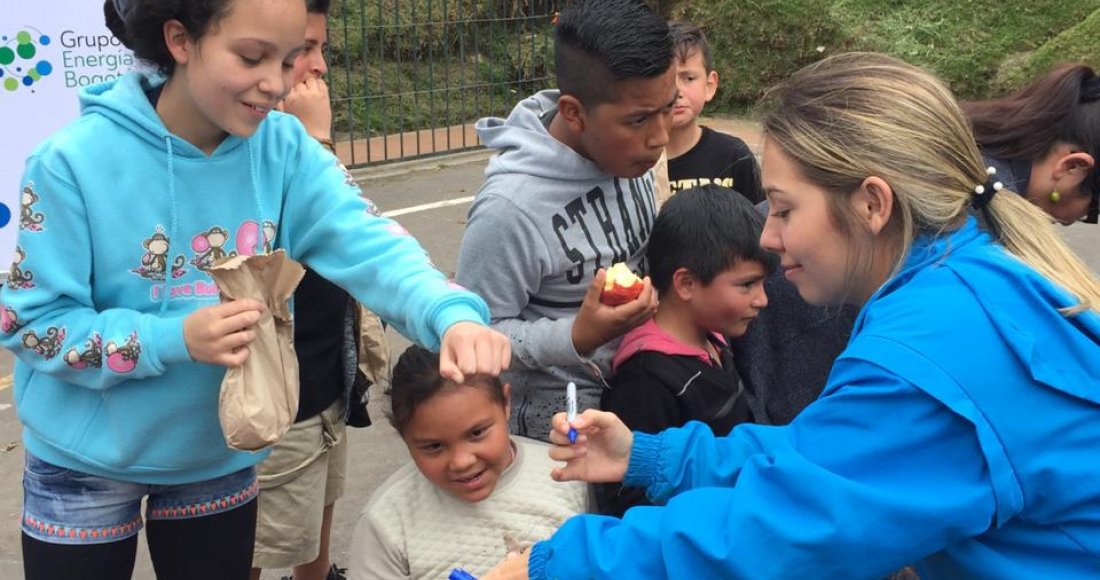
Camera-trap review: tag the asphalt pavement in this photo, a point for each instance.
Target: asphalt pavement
(431, 197)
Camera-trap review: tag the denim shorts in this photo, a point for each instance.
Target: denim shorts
(63, 506)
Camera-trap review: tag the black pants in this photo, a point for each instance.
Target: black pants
(216, 547)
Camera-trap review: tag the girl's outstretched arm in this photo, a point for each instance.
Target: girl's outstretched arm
(327, 224)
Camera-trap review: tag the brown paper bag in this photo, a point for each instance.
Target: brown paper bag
(259, 399)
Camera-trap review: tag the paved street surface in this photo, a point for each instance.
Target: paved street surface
(433, 194)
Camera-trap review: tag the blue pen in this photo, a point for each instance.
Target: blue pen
(571, 410)
(460, 574)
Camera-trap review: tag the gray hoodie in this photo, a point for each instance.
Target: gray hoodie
(543, 222)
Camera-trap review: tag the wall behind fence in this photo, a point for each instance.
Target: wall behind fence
(410, 77)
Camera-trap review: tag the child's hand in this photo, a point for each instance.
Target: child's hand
(601, 453)
(221, 334)
(471, 349)
(308, 100)
(596, 323)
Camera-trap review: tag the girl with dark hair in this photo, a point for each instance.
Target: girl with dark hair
(1044, 139)
(469, 483)
(195, 159)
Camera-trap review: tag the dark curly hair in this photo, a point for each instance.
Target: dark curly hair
(708, 230)
(416, 379)
(142, 28)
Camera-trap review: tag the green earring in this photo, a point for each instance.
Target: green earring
(1055, 197)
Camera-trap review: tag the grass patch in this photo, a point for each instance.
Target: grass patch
(965, 41)
(757, 43)
(1080, 43)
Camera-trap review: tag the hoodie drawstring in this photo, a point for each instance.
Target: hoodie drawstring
(172, 225)
(262, 238)
(174, 214)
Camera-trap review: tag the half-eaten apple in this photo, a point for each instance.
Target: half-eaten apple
(620, 286)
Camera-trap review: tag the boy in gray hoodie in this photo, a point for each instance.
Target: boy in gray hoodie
(569, 193)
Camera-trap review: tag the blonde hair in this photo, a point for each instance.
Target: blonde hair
(856, 115)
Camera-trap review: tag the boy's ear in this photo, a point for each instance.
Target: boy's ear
(684, 283)
(712, 85)
(874, 203)
(572, 112)
(177, 40)
(507, 389)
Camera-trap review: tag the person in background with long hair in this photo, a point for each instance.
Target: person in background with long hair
(1044, 140)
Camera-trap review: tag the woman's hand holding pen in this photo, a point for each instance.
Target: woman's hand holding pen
(601, 453)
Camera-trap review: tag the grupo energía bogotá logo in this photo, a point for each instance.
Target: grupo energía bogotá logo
(20, 65)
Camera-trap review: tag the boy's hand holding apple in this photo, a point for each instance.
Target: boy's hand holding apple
(608, 314)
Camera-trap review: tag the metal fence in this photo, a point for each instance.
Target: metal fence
(409, 78)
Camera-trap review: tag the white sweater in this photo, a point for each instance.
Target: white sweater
(412, 529)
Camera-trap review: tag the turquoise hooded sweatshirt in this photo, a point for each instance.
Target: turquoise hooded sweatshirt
(120, 223)
(958, 431)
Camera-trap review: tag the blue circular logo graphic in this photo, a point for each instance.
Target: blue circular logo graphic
(19, 53)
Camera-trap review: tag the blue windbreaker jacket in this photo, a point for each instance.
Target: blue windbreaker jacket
(958, 431)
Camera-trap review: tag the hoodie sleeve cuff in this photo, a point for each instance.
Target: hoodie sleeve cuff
(459, 312)
(167, 344)
(645, 461)
(539, 561)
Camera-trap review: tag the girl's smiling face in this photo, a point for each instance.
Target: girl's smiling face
(228, 80)
(459, 440)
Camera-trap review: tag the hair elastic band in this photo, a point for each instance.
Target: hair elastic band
(984, 193)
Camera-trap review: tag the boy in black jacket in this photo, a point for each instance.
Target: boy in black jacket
(708, 269)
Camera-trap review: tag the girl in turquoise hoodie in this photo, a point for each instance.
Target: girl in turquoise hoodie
(958, 430)
(121, 341)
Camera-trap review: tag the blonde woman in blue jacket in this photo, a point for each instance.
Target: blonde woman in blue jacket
(959, 428)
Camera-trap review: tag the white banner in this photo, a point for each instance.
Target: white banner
(49, 50)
